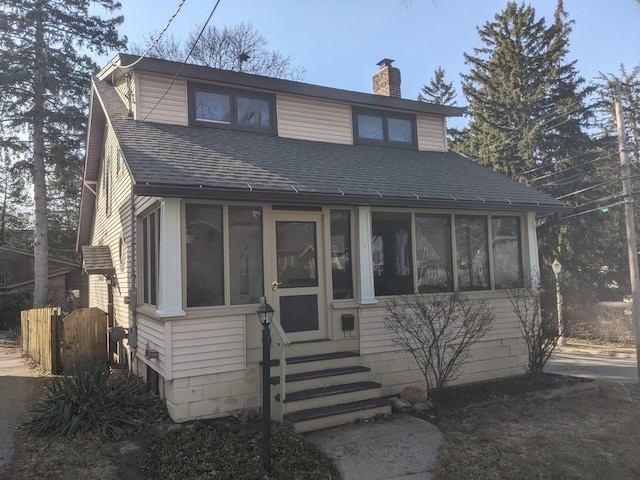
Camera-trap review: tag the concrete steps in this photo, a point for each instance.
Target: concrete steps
(327, 389)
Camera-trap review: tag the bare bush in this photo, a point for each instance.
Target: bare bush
(538, 329)
(437, 330)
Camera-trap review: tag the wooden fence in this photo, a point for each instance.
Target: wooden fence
(39, 332)
(83, 338)
(58, 344)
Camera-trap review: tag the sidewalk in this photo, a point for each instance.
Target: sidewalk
(401, 447)
(17, 385)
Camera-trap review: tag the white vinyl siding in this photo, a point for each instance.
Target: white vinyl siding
(153, 107)
(151, 334)
(431, 133)
(307, 119)
(108, 229)
(208, 345)
(375, 338)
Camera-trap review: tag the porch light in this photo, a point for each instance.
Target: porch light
(265, 313)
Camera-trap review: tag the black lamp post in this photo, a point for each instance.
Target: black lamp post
(265, 314)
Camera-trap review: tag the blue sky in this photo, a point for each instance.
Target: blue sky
(339, 42)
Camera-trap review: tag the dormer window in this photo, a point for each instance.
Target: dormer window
(379, 127)
(226, 108)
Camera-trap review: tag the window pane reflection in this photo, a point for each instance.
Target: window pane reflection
(472, 253)
(253, 111)
(370, 126)
(297, 257)
(245, 254)
(205, 278)
(399, 130)
(433, 250)
(341, 254)
(391, 251)
(507, 256)
(213, 107)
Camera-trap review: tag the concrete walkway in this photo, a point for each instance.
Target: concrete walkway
(401, 447)
(17, 385)
(599, 363)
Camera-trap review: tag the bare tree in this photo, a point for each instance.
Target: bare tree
(438, 330)
(538, 328)
(239, 48)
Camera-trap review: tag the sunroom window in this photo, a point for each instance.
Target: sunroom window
(150, 246)
(341, 273)
(223, 246)
(478, 264)
(391, 249)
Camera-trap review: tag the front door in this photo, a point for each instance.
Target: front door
(298, 285)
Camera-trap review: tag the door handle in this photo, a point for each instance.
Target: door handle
(275, 285)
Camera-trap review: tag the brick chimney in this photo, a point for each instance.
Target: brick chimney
(387, 80)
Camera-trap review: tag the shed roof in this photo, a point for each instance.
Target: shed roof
(96, 259)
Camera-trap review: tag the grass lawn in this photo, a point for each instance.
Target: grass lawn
(589, 436)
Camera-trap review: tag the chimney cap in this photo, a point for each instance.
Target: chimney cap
(385, 62)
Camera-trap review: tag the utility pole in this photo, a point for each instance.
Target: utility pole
(629, 216)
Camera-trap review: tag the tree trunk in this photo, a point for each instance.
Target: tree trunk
(41, 239)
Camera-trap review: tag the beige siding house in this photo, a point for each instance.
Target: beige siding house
(215, 191)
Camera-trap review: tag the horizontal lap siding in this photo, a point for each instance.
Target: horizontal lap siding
(151, 334)
(375, 338)
(307, 119)
(431, 133)
(207, 346)
(153, 107)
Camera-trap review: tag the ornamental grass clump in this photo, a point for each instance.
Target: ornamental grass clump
(90, 401)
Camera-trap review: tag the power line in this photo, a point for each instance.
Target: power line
(592, 210)
(173, 80)
(157, 39)
(547, 175)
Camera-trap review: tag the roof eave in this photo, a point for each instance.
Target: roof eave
(313, 198)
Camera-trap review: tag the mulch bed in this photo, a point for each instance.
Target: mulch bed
(452, 401)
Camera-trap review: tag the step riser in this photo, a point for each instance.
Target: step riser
(316, 365)
(323, 382)
(330, 400)
(340, 419)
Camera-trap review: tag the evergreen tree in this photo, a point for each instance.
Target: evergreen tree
(14, 206)
(529, 120)
(44, 86)
(438, 91)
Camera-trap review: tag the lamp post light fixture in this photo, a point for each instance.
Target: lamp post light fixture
(556, 266)
(265, 315)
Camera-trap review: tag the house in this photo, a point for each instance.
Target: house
(65, 278)
(209, 190)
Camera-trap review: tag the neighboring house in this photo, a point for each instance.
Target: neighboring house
(210, 189)
(66, 281)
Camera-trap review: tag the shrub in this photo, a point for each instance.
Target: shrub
(538, 328)
(91, 401)
(438, 330)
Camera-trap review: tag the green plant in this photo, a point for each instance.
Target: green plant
(438, 330)
(90, 401)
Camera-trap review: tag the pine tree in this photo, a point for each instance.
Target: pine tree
(529, 120)
(438, 91)
(44, 85)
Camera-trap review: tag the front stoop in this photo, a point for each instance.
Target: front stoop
(321, 394)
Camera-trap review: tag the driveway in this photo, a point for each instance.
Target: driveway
(17, 385)
(594, 362)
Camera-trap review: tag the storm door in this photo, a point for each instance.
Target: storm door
(298, 286)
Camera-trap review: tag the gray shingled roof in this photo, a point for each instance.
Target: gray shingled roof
(169, 159)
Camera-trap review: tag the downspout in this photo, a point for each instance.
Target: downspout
(133, 291)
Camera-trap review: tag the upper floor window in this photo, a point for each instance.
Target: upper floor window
(228, 108)
(378, 127)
